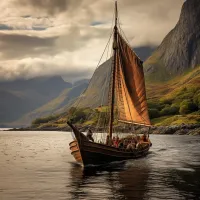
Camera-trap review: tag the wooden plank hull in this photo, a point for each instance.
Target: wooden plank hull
(91, 153)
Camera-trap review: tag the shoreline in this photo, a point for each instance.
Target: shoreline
(184, 129)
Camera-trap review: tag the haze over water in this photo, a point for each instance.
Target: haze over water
(38, 165)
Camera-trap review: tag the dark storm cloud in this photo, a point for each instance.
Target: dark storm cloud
(14, 45)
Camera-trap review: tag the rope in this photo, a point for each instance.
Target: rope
(126, 39)
(121, 28)
(104, 89)
(82, 94)
(107, 47)
(102, 99)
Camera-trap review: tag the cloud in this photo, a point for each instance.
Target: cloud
(20, 46)
(50, 7)
(67, 37)
(46, 66)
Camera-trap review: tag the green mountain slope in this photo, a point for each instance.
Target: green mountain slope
(176, 101)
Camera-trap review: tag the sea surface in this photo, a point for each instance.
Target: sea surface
(39, 166)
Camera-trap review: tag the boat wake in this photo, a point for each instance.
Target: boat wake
(164, 149)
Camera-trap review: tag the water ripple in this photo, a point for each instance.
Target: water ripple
(38, 165)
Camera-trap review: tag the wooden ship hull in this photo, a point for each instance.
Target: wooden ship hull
(89, 153)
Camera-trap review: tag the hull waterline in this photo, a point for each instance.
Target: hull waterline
(89, 153)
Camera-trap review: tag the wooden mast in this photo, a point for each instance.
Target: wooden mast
(113, 74)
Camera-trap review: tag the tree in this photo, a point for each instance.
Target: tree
(153, 113)
(187, 107)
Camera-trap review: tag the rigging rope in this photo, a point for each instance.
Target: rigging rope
(126, 39)
(82, 94)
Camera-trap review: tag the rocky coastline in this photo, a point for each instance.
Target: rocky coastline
(184, 129)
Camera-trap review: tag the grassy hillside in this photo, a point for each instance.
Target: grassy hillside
(176, 101)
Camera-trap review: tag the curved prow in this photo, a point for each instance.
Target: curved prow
(79, 136)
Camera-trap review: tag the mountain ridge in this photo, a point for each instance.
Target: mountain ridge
(21, 96)
(55, 106)
(180, 49)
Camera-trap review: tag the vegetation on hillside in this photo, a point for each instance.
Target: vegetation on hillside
(80, 116)
(177, 101)
(171, 103)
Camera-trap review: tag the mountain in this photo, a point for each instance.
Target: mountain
(180, 49)
(39, 84)
(21, 96)
(144, 51)
(97, 91)
(83, 81)
(55, 106)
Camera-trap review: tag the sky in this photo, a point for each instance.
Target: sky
(68, 37)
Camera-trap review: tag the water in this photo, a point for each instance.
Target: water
(39, 166)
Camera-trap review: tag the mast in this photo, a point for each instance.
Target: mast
(113, 74)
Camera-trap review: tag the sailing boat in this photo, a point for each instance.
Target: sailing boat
(127, 90)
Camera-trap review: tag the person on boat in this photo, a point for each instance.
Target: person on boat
(130, 146)
(107, 140)
(138, 142)
(139, 145)
(89, 135)
(125, 143)
(144, 138)
(134, 139)
(121, 144)
(116, 144)
(113, 141)
(138, 139)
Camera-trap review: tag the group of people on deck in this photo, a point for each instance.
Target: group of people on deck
(128, 143)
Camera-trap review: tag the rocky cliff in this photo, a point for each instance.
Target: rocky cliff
(180, 49)
(97, 91)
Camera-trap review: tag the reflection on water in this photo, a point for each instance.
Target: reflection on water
(39, 166)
